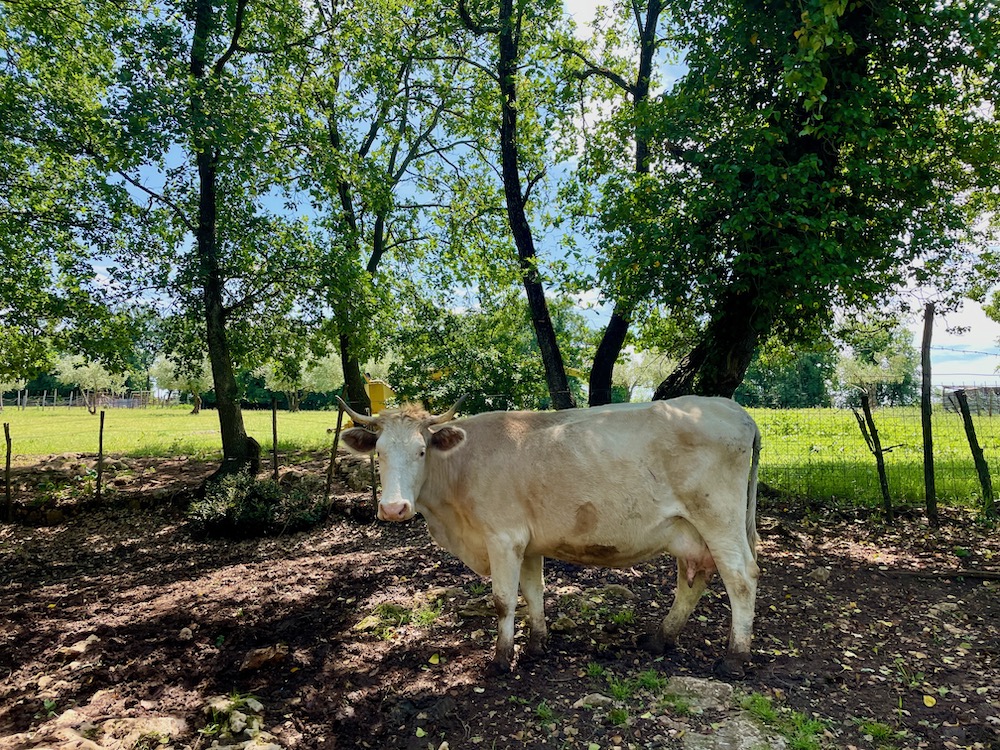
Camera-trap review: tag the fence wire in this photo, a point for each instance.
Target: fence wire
(823, 454)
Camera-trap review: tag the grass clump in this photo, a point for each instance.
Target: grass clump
(240, 506)
(801, 732)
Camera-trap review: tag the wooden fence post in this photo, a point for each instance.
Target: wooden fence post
(982, 468)
(333, 453)
(930, 491)
(8, 510)
(274, 436)
(100, 457)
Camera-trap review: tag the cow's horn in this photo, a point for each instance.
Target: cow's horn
(447, 416)
(357, 418)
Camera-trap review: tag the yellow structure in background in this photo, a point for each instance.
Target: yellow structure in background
(379, 393)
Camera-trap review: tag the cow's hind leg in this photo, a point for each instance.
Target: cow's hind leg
(532, 587)
(739, 573)
(685, 600)
(505, 567)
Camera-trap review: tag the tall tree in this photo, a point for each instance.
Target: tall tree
(640, 27)
(514, 18)
(815, 156)
(385, 87)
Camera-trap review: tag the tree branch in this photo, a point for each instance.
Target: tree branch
(475, 28)
(596, 70)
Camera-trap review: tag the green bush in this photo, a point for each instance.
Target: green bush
(240, 506)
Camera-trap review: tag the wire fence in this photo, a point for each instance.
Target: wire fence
(823, 453)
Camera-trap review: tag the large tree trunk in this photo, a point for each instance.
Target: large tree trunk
(719, 361)
(239, 452)
(555, 371)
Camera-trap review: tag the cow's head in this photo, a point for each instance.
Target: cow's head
(402, 439)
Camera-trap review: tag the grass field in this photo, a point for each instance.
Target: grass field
(821, 453)
(816, 453)
(154, 431)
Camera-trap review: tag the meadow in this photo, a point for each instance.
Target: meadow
(814, 453)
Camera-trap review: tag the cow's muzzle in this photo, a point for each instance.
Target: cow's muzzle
(395, 511)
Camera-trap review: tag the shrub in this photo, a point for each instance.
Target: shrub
(240, 506)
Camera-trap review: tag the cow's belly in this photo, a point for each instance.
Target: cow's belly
(621, 541)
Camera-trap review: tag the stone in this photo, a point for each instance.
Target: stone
(594, 700)
(738, 733)
(261, 657)
(701, 693)
(820, 575)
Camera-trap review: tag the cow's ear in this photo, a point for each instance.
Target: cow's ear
(359, 439)
(447, 437)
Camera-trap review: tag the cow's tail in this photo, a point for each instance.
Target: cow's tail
(752, 494)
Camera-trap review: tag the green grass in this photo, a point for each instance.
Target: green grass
(155, 431)
(821, 454)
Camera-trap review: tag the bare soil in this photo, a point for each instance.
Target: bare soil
(364, 635)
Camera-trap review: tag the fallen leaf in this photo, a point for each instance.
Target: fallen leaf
(930, 701)
(434, 659)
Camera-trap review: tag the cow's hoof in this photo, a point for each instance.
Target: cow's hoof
(654, 643)
(730, 668)
(534, 649)
(498, 668)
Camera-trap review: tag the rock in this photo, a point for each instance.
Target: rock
(186, 634)
(80, 647)
(739, 733)
(260, 657)
(563, 625)
(594, 700)
(701, 693)
(820, 575)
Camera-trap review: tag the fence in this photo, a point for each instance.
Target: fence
(822, 453)
(73, 399)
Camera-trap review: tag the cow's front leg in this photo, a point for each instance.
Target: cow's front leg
(533, 588)
(505, 567)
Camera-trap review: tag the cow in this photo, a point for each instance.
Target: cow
(609, 486)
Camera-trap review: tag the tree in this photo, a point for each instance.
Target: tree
(297, 379)
(486, 354)
(639, 27)
(56, 212)
(639, 369)
(814, 157)
(782, 377)
(515, 21)
(882, 365)
(186, 376)
(91, 377)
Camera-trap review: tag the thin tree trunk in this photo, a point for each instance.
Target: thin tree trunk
(875, 444)
(555, 371)
(610, 348)
(8, 510)
(930, 492)
(239, 451)
(354, 379)
(982, 468)
(602, 371)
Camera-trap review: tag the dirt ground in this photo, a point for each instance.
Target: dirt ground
(365, 635)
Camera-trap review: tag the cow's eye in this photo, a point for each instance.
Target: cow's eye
(423, 453)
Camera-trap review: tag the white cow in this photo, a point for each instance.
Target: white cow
(609, 486)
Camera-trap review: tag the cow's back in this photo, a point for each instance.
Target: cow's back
(608, 486)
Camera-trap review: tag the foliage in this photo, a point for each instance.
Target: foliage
(240, 506)
(814, 157)
(189, 377)
(487, 354)
(89, 376)
(882, 364)
(781, 377)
